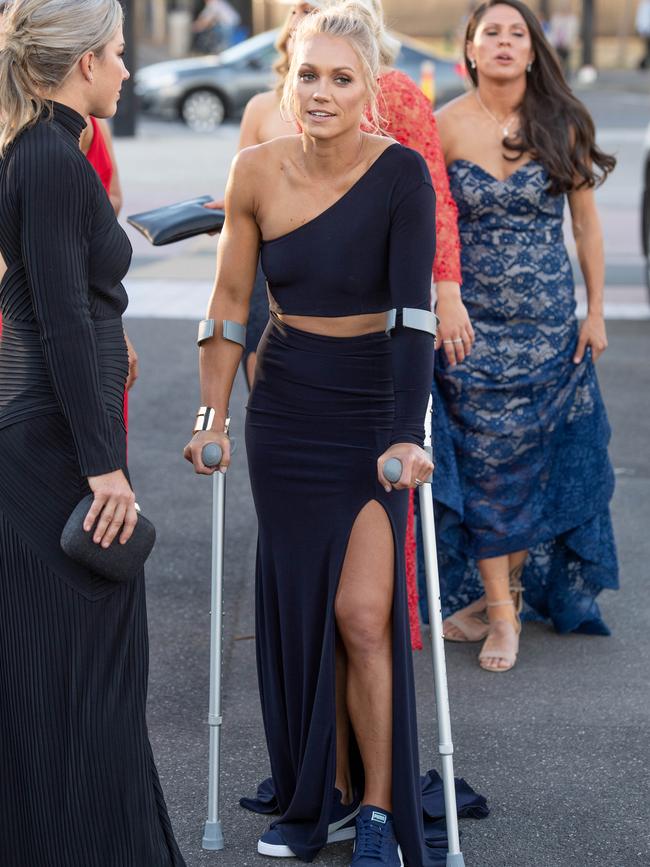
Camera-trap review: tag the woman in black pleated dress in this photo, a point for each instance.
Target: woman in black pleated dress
(346, 225)
(78, 785)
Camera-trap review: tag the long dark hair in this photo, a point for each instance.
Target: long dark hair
(556, 128)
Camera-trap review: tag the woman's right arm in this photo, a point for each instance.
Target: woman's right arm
(237, 257)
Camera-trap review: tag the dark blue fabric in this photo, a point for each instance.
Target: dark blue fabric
(368, 253)
(469, 804)
(320, 413)
(520, 431)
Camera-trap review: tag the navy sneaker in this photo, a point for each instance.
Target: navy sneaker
(341, 827)
(376, 843)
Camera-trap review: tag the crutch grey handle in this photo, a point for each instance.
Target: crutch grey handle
(211, 455)
(392, 470)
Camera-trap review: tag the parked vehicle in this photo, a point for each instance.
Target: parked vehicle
(204, 91)
(645, 207)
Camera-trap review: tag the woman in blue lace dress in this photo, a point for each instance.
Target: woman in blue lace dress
(523, 480)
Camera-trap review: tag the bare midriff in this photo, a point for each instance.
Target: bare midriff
(337, 326)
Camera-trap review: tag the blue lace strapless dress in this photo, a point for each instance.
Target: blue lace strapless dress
(520, 431)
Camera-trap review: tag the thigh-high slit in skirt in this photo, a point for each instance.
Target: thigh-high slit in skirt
(319, 416)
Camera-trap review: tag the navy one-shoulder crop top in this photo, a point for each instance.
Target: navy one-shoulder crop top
(369, 252)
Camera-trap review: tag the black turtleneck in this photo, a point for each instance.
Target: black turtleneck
(66, 255)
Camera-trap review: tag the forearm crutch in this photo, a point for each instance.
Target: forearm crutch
(393, 472)
(213, 833)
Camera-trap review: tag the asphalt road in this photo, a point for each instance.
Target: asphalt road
(559, 745)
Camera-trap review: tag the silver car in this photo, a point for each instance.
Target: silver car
(204, 91)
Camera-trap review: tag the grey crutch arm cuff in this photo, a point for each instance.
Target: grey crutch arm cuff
(233, 331)
(412, 317)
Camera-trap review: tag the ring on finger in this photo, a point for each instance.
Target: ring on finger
(418, 482)
(458, 340)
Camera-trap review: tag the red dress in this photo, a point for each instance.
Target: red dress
(99, 157)
(407, 116)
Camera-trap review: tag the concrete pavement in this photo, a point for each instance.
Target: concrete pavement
(559, 745)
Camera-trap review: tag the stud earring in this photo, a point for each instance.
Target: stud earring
(529, 67)
(472, 63)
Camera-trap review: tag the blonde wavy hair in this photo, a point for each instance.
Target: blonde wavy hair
(341, 21)
(373, 14)
(41, 41)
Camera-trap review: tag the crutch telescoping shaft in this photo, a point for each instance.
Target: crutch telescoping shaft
(393, 471)
(213, 832)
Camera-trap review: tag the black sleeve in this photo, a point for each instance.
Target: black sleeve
(411, 253)
(57, 203)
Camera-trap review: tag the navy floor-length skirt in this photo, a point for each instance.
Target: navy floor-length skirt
(319, 416)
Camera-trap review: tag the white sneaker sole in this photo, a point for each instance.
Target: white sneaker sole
(336, 834)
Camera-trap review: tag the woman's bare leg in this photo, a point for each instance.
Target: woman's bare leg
(515, 565)
(364, 604)
(343, 778)
(495, 573)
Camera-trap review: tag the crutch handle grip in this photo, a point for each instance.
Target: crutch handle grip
(392, 470)
(211, 455)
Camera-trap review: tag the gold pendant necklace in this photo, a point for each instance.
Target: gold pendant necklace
(504, 125)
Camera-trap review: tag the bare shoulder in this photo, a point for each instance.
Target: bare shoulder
(255, 165)
(456, 110)
(262, 103)
(453, 120)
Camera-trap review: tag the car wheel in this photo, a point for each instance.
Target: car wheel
(203, 110)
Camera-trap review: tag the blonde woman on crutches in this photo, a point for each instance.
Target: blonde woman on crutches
(345, 222)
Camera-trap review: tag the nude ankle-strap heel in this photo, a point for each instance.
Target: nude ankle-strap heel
(502, 641)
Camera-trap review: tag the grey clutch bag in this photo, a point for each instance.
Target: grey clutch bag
(178, 221)
(117, 562)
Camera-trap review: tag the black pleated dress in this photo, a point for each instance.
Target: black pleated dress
(322, 410)
(78, 785)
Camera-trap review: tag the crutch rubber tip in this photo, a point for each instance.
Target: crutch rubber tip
(455, 860)
(213, 836)
(211, 455)
(393, 470)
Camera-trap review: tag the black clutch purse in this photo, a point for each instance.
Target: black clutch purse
(117, 562)
(178, 221)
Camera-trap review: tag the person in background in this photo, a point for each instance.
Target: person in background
(79, 783)
(563, 34)
(215, 26)
(523, 479)
(643, 29)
